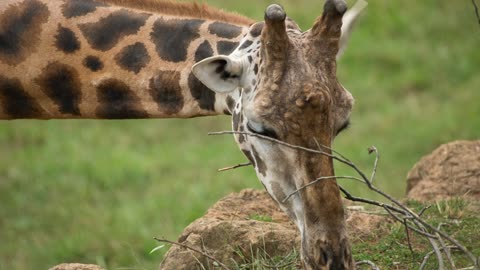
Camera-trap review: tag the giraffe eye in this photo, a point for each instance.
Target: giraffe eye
(344, 127)
(261, 130)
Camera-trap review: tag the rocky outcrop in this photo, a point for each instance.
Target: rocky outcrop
(451, 170)
(242, 223)
(76, 266)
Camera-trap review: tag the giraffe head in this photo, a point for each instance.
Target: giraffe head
(281, 83)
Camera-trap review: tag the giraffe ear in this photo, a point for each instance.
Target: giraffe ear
(220, 73)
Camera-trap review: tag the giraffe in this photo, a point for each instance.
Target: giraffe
(126, 59)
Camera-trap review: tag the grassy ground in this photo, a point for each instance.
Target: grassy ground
(387, 244)
(94, 191)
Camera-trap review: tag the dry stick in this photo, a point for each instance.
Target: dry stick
(377, 157)
(193, 249)
(408, 235)
(476, 10)
(235, 167)
(318, 180)
(352, 165)
(445, 250)
(277, 141)
(371, 264)
(427, 256)
(416, 217)
(423, 210)
(438, 253)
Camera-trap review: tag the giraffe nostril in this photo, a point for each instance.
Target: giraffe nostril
(324, 257)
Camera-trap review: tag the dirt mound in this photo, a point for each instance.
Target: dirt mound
(242, 223)
(233, 228)
(76, 266)
(451, 170)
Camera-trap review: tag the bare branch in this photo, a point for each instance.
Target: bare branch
(235, 167)
(377, 157)
(318, 180)
(394, 210)
(427, 256)
(223, 266)
(407, 232)
(445, 250)
(279, 142)
(423, 210)
(438, 253)
(371, 264)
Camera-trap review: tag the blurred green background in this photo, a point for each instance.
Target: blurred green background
(98, 191)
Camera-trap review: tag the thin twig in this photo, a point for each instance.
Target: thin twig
(318, 180)
(421, 232)
(423, 210)
(476, 10)
(278, 142)
(375, 165)
(407, 232)
(194, 249)
(427, 256)
(235, 167)
(371, 264)
(437, 252)
(445, 250)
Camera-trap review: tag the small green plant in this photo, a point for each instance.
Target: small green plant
(259, 217)
(452, 209)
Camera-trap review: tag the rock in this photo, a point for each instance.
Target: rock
(76, 266)
(235, 227)
(452, 170)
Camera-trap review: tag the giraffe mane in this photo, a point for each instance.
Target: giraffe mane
(195, 10)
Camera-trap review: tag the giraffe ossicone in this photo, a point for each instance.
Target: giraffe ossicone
(117, 59)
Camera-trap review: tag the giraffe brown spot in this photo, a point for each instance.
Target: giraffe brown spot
(20, 27)
(224, 30)
(166, 91)
(107, 32)
(118, 101)
(249, 156)
(93, 63)
(226, 47)
(202, 94)
(277, 190)
(133, 57)
(16, 102)
(255, 69)
(245, 44)
(62, 84)
(77, 8)
(236, 120)
(256, 29)
(230, 103)
(204, 50)
(66, 40)
(260, 165)
(172, 37)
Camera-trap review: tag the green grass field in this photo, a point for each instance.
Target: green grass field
(98, 191)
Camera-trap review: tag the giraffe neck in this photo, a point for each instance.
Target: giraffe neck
(86, 59)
